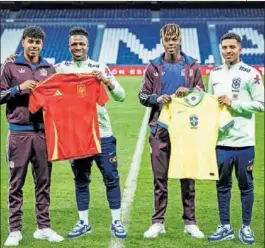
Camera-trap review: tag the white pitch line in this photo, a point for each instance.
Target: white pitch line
(131, 181)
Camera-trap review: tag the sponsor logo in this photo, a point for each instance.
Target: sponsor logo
(67, 63)
(181, 111)
(21, 70)
(57, 93)
(217, 68)
(242, 68)
(43, 72)
(211, 174)
(191, 72)
(93, 65)
(194, 121)
(216, 83)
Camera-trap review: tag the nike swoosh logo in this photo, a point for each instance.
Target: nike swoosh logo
(215, 84)
(111, 153)
(181, 111)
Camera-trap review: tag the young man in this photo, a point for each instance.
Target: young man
(26, 140)
(240, 88)
(107, 160)
(172, 72)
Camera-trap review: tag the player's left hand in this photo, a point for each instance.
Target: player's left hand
(100, 77)
(181, 91)
(224, 100)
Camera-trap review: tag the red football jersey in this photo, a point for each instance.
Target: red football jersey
(70, 114)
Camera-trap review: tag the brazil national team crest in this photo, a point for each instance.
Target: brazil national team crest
(236, 82)
(81, 90)
(194, 121)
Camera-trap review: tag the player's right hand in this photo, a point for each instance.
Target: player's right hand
(163, 99)
(28, 85)
(11, 58)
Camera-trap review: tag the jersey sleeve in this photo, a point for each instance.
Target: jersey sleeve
(225, 119)
(117, 93)
(256, 92)
(36, 100)
(102, 96)
(165, 116)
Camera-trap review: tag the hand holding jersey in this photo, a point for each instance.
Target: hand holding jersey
(193, 135)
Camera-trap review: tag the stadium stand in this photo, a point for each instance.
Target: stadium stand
(133, 38)
(4, 13)
(211, 13)
(252, 36)
(85, 13)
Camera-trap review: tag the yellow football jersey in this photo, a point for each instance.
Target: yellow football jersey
(194, 122)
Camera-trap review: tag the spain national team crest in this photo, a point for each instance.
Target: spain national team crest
(194, 121)
(81, 90)
(236, 82)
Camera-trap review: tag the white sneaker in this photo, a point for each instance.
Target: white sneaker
(47, 234)
(155, 230)
(13, 238)
(194, 231)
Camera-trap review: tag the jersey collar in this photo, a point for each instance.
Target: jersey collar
(235, 66)
(78, 63)
(193, 97)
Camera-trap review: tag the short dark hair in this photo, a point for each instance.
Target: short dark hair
(232, 36)
(33, 32)
(78, 31)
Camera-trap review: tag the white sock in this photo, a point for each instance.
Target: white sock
(115, 214)
(83, 215)
(227, 226)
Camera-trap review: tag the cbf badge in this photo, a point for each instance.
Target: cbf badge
(194, 121)
(81, 90)
(236, 84)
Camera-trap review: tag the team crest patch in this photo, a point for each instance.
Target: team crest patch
(11, 164)
(194, 121)
(113, 160)
(183, 72)
(81, 90)
(236, 83)
(43, 72)
(250, 168)
(257, 79)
